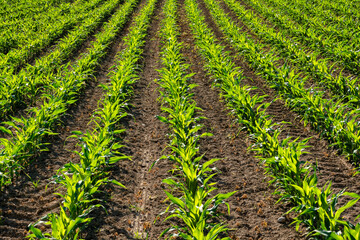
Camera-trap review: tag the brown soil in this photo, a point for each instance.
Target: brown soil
(131, 212)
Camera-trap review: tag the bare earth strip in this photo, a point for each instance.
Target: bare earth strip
(132, 211)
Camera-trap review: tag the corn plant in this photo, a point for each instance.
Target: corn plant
(63, 227)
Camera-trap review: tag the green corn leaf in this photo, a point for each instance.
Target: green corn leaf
(117, 183)
(36, 232)
(5, 130)
(175, 200)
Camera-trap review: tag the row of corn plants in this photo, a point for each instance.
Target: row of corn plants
(343, 52)
(13, 13)
(341, 7)
(300, 16)
(20, 9)
(99, 148)
(296, 180)
(24, 86)
(191, 197)
(24, 30)
(11, 22)
(28, 134)
(334, 120)
(320, 70)
(33, 45)
(310, 14)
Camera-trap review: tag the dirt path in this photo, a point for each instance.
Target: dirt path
(132, 211)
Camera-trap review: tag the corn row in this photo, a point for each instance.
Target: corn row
(342, 7)
(315, 207)
(193, 203)
(28, 134)
(25, 30)
(299, 11)
(99, 147)
(331, 12)
(14, 10)
(18, 57)
(17, 88)
(344, 52)
(321, 70)
(335, 120)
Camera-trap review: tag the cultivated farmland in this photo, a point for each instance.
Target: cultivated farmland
(179, 119)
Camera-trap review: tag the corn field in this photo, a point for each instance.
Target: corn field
(180, 119)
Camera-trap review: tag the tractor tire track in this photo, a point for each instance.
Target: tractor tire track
(132, 211)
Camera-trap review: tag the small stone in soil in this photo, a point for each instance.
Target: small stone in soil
(281, 220)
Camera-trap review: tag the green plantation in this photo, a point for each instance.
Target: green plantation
(168, 119)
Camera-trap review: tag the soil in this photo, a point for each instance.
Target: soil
(131, 212)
